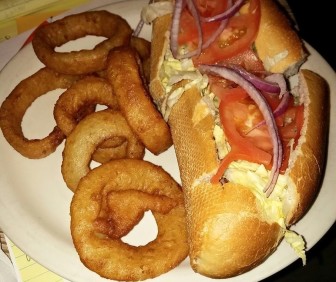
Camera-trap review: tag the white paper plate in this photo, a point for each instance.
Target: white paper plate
(36, 201)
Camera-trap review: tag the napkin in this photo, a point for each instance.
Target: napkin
(7, 273)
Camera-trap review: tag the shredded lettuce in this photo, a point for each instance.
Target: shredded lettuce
(255, 176)
(173, 71)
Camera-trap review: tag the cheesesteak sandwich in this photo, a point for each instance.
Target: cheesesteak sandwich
(250, 146)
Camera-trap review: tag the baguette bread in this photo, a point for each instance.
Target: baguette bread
(232, 227)
(230, 231)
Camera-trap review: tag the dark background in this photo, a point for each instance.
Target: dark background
(317, 26)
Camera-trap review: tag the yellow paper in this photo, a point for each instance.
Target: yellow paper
(17, 16)
(28, 269)
(11, 9)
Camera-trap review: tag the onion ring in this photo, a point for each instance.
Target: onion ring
(81, 99)
(143, 47)
(104, 208)
(19, 100)
(89, 133)
(124, 74)
(117, 150)
(99, 23)
(84, 93)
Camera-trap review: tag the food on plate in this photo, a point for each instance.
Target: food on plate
(14, 107)
(109, 201)
(80, 100)
(86, 92)
(89, 133)
(116, 149)
(125, 75)
(143, 48)
(99, 23)
(244, 140)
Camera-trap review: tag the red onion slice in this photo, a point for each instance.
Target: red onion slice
(140, 24)
(231, 11)
(179, 6)
(266, 111)
(175, 26)
(194, 12)
(138, 28)
(218, 31)
(280, 109)
(279, 79)
(270, 86)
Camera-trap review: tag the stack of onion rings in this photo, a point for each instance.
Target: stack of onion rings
(111, 199)
(99, 23)
(102, 195)
(19, 100)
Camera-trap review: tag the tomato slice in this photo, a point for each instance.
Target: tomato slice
(241, 148)
(239, 116)
(238, 36)
(188, 34)
(209, 8)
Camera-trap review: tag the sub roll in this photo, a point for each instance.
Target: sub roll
(250, 146)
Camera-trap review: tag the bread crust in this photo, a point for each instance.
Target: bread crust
(159, 43)
(278, 44)
(307, 168)
(229, 232)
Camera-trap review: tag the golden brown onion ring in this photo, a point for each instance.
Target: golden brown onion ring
(81, 99)
(84, 93)
(143, 48)
(124, 74)
(19, 100)
(89, 133)
(117, 149)
(99, 23)
(104, 208)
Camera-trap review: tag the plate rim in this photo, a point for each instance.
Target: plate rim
(330, 74)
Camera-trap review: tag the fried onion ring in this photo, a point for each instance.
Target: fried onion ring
(117, 150)
(104, 208)
(143, 48)
(99, 23)
(124, 74)
(89, 133)
(81, 99)
(19, 100)
(84, 93)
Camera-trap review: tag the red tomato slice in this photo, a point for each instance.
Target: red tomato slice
(188, 34)
(209, 8)
(239, 116)
(238, 37)
(241, 148)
